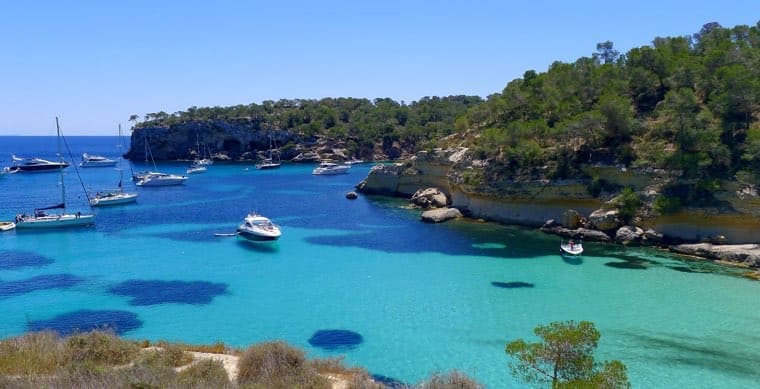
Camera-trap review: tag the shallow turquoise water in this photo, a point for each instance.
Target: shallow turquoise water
(424, 298)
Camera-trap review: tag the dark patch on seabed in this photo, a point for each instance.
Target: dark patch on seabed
(627, 265)
(686, 269)
(11, 259)
(512, 285)
(334, 340)
(85, 320)
(153, 292)
(389, 382)
(47, 281)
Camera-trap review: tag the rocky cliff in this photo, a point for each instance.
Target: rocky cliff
(534, 201)
(244, 139)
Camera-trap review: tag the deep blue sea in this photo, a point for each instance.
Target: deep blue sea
(362, 278)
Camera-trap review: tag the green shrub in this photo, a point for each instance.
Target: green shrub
(277, 365)
(206, 373)
(100, 348)
(628, 202)
(665, 205)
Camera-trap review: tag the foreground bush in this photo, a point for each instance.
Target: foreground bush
(31, 354)
(100, 348)
(278, 365)
(451, 380)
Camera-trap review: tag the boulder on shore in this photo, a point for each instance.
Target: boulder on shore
(629, 235)
(605, 220)
(430, 198)
(746, 254)
(440, 215)
(578, 233)
(571, 219)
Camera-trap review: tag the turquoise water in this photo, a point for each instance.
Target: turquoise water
(424, 298)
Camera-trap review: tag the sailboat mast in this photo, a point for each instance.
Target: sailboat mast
(121, 173)
(60, 169)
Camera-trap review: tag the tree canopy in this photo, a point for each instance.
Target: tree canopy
(564, 358)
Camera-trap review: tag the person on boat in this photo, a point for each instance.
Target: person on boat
(571, 244)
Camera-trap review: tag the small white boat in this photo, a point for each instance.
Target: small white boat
(204, 162)
(268, 163)
(353, 161)
(571, 248)
(330, 168)
(96, 161)
(258, 228)
(195, 168)
(7, 226)
(113, 197)
(161, 179)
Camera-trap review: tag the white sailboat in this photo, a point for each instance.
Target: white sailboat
(41, 219)
(115, 196)
(155, 178)
(270, 162)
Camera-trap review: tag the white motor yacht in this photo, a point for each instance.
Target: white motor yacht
(258, 228)
(96, 161)
(161, 179)
(34, 165)
(330, 168)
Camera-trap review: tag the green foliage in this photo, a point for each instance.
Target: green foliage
(665, 205)
(564, 358)
(204, 374)
(33, 353)
(628, 203)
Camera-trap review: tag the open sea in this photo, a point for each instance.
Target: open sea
(363, 278)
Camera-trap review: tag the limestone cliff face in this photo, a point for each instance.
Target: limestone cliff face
(220, 137)
(533, 202)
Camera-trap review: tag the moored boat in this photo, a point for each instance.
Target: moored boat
(115, 196)
(571, 248)
(196, 168)
(41, 219)
(7, 226)
(35, 165)
(96, 161)
(258, 228)
(161, 179)
(330, 168)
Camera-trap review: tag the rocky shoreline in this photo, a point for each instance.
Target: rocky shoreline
(434, 182)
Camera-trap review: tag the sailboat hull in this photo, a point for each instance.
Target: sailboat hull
(55, 221)
(114, 199)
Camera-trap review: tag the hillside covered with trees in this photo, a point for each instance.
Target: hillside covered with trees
(689, 105)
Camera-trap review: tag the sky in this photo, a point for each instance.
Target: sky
(95, 63)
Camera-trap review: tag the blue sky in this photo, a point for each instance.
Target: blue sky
(93, 63)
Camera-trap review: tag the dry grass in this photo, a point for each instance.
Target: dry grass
(32, 354)
(278, 365)
(103, 360)
(205, 374)
(450, 380)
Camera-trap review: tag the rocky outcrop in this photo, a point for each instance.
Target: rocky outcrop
(430, 198)
(572, 219)
(439, 215)
(629, 235)
(605, 220)
(577, 233)
(746, 254)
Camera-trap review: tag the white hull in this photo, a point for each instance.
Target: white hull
(7, 226)
(162, 180)
(97, 164)
(55, 221)
(576, 249)
(196, 169)
(329, 169)
(258, 228)
(114, 199)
